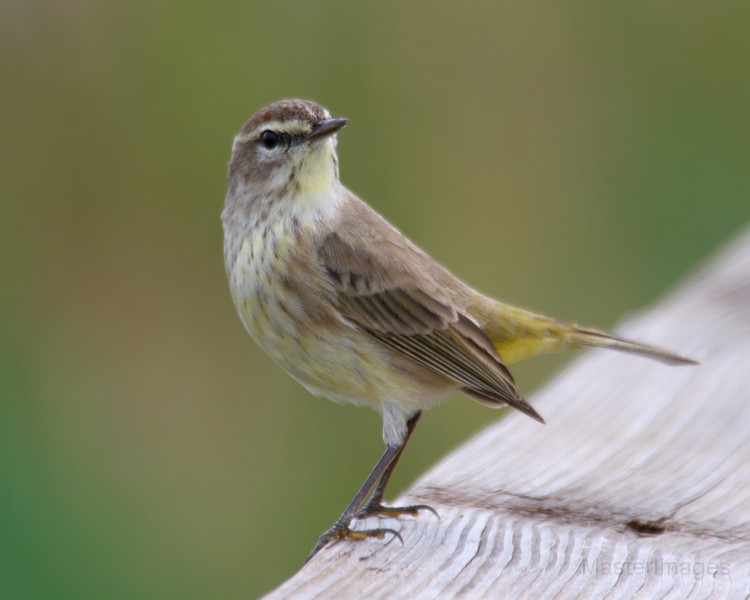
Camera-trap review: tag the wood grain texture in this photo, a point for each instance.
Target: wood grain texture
(638, 486)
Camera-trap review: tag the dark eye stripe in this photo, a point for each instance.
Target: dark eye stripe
(271, 139)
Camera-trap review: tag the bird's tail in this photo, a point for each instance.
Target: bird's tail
(519, 334)
(584, 337)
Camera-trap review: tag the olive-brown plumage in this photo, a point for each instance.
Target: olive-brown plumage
(355, 311)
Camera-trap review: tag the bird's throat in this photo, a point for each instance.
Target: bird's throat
(315, 172)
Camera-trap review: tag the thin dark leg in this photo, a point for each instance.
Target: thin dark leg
(378, 479)
(375, 505)
(340, 528)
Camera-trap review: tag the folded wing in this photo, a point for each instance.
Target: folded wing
(407, 312)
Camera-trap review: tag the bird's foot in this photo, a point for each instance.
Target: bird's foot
(341, 531)
(372, 509)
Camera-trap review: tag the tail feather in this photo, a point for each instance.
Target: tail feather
(593, 338)
(517, 334)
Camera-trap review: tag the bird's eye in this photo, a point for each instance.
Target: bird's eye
(270, 139)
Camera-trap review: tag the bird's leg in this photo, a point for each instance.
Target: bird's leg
(374, 505)
(377, 479)
(340, 529)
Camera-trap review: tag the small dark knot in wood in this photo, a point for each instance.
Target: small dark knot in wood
(646, 527)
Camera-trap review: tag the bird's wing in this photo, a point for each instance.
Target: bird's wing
(397, 304)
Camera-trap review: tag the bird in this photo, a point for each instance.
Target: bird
(355, 311)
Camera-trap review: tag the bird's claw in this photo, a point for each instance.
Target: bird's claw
(393, 511)
(343, 532)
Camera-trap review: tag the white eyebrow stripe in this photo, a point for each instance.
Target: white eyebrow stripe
(292, 126)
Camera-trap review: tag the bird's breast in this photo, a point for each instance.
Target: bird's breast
(283, 300)
(259, 280)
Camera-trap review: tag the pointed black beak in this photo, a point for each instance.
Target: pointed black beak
(326, 127)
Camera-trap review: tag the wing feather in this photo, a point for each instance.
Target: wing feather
(407, 312)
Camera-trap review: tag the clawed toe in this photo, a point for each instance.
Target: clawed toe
(342, 532)
(394, 511)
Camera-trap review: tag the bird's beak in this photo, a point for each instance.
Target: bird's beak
(326, 127)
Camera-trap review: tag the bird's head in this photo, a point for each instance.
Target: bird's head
(288, 147)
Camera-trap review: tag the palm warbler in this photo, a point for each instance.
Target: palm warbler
(352, 309)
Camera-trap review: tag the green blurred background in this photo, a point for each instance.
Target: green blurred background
(576, 158)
